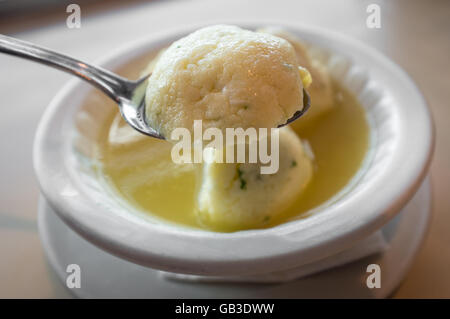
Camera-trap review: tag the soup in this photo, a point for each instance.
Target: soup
(141, 172)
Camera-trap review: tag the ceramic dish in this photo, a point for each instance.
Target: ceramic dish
(396, 163)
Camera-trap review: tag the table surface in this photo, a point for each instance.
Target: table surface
(415, 34)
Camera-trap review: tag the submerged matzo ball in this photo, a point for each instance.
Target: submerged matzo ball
(227, 77)
(237, 195)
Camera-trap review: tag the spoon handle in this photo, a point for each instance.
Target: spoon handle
(113, 85)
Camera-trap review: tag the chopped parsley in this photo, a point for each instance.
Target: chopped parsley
(241, 179)
(294, 163)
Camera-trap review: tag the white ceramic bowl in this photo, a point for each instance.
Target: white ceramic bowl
(399, 156)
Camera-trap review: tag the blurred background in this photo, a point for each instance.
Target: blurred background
(414, 33)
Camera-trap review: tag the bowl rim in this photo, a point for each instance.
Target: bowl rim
(245, 252)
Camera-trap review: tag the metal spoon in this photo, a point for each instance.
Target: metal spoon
(306, 105)
(129, 95)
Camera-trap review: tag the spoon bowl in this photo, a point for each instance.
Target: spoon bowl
(133, 110)
(299, 113)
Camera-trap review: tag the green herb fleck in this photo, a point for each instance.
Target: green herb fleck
(241, 179)
(246, 107)
(178, 46)
(266, 219)
(293, 164)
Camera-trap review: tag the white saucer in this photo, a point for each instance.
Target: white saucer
(106, 276)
